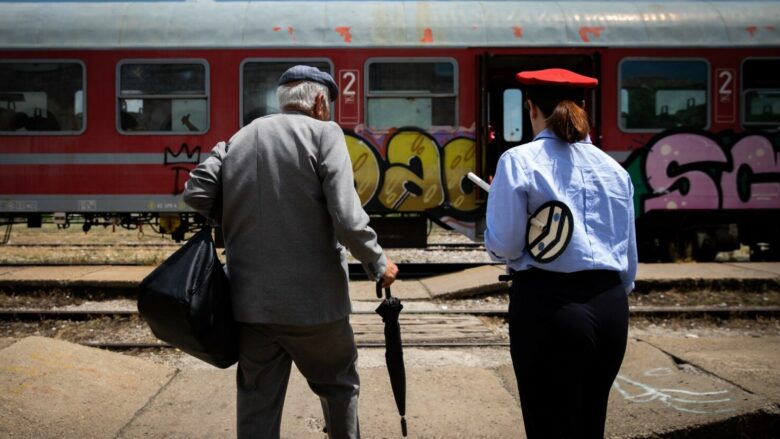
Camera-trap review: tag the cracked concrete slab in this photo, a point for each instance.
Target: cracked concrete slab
(50, 388)
(200, 403)
(471, 282)
(7, 341)
(55, 389)
(654, 396)
(749, 362)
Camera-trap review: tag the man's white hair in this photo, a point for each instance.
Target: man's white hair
(302, 94)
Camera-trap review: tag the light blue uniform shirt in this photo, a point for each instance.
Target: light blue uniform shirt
(597, 190)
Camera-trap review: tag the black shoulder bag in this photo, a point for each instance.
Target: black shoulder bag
(186, 301)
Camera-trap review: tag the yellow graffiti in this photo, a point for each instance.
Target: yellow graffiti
(365, 168)
(413, 176)
(460, 158)
(419, 174)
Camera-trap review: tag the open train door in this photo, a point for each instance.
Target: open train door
(503, 122)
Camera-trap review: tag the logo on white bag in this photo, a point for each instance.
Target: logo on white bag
(549, 231)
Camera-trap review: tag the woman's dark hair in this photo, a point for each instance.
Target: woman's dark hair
(564, 117)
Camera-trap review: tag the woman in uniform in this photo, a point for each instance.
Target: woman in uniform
(560, 215)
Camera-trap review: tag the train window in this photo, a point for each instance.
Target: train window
(761, 93)
(411, 92)
(656, 94)
(42, 97)
(259, 80)
(513, 115)
(163, 97)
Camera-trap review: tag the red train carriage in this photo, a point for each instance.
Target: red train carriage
(105, 106)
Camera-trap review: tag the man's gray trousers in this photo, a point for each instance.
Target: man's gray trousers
(325, 355)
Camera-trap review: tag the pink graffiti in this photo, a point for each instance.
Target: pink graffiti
(753, 155)
(682, 149)
(753, 158)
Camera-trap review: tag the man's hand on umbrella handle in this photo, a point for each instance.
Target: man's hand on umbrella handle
(391, 271)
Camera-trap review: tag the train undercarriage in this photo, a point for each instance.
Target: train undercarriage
(663, 236)
(669, 236)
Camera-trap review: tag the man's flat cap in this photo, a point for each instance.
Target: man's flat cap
(309, 73)
(556, 77)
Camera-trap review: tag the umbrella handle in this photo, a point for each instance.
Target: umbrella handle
(379, 290)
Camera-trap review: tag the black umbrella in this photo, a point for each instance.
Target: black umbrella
(389, 309)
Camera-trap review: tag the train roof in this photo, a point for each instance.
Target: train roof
(100, 24)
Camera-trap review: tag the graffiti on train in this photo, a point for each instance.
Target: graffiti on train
(420, 172)
(181, 163)
(699, 170)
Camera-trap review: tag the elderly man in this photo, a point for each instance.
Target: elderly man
(289, 208)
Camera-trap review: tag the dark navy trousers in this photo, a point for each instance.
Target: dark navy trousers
(568, 335)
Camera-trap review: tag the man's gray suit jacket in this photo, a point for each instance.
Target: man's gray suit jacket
(289, 207)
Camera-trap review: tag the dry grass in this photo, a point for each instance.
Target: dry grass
(102, 245)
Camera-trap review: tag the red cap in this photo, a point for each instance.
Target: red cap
(559, 77)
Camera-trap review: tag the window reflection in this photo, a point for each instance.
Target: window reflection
(258, 87)
(163, 97)
(660, 94)
(41, 97)
(761, 93)
(411, 93)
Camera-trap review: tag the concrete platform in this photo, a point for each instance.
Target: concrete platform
(105, 276)
(744, 276)
(481, 280)
(471, 282)
(751, 363)
(55, 389)
(407, 289)
(710, 270)
(654, 395)
(50, 388)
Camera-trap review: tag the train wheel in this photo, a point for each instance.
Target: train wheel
(670, 251)
(679, 250)
(703, 249)
(648, 251)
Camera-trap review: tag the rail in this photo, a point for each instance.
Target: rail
(635, 311)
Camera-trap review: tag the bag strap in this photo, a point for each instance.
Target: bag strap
(216, 207)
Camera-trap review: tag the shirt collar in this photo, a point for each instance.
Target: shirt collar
(294, 110)
(548, 134)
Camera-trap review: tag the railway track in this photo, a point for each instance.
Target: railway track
(464, 246)
(634, 311)
(124, 330)
(59, 245)
(119, 346)
(407, 270)
(432, 246)
(108, 319)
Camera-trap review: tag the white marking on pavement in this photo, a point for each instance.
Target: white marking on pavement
(666, 397)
